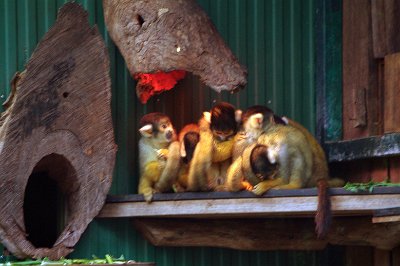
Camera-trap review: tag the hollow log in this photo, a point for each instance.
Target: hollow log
(58, 123)
(267, 234)
(164, 36)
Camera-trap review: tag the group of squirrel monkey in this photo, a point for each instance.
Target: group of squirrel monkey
(230, 150)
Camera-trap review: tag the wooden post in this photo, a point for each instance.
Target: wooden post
(58, 121)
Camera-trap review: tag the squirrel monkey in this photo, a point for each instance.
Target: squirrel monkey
(159, 158)
(188, 138)
(212, 155)
(286, 157)
(254, 121)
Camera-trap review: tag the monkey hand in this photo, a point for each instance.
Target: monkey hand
(148, 194)
(162, 154)
(266, 185)
(260, 188)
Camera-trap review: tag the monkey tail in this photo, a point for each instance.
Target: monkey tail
(323, 216)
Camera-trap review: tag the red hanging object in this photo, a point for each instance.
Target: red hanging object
(155, 83)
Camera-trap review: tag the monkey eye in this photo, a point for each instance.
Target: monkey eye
(164, 126)
(225, 133)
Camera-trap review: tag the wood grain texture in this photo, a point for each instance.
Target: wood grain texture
(378, 28)
(172, 35)
(392, 93)
(267, 234)
(302, 206)
(58, 120)
(361, 101)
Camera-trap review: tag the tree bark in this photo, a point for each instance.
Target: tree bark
(164, 35)
(58, 121)
(267, 234)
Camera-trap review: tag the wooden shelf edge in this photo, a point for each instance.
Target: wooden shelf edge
(363, 148)
(296, 203)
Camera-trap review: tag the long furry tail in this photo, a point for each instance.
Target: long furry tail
(323, 216)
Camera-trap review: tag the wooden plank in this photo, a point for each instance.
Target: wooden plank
(381, 257)
(251, 207)
(386, 219)
(378, 28)
(392, 25)
(363, 148)
(360, 89)
(392, 93)
(247, 194)
(387, 212)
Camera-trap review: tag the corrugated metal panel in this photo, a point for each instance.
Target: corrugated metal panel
(273, 38)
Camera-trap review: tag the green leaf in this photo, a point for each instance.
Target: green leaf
(356, 187)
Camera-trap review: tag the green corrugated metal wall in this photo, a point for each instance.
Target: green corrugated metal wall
(273, 38)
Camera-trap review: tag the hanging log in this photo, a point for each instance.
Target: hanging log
(267, 234)
(58, 122)
(164, 36)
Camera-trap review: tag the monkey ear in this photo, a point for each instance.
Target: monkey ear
(146, 130)
(183, 150)
(207, 117)
(238, 115)
(272, 155)
(285, 119)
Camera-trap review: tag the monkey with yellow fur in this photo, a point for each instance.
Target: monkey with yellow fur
(159, 158)
(254, 121)
(286, 157)
(212, 155)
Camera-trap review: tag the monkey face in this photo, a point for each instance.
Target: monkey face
(158, 128)
(165, 130)
(255, 121)
(261, 165)
(222, 135)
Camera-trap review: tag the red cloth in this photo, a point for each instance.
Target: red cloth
(155, 83)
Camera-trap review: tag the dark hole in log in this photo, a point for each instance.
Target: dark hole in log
(65, 94)
(46, 198)
(140, 20)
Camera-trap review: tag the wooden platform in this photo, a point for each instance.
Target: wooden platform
(275, 203)
(279, 220)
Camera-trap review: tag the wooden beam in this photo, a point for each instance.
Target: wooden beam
(363, 148)
(282, 206)
(386, 219)
(386, 215)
